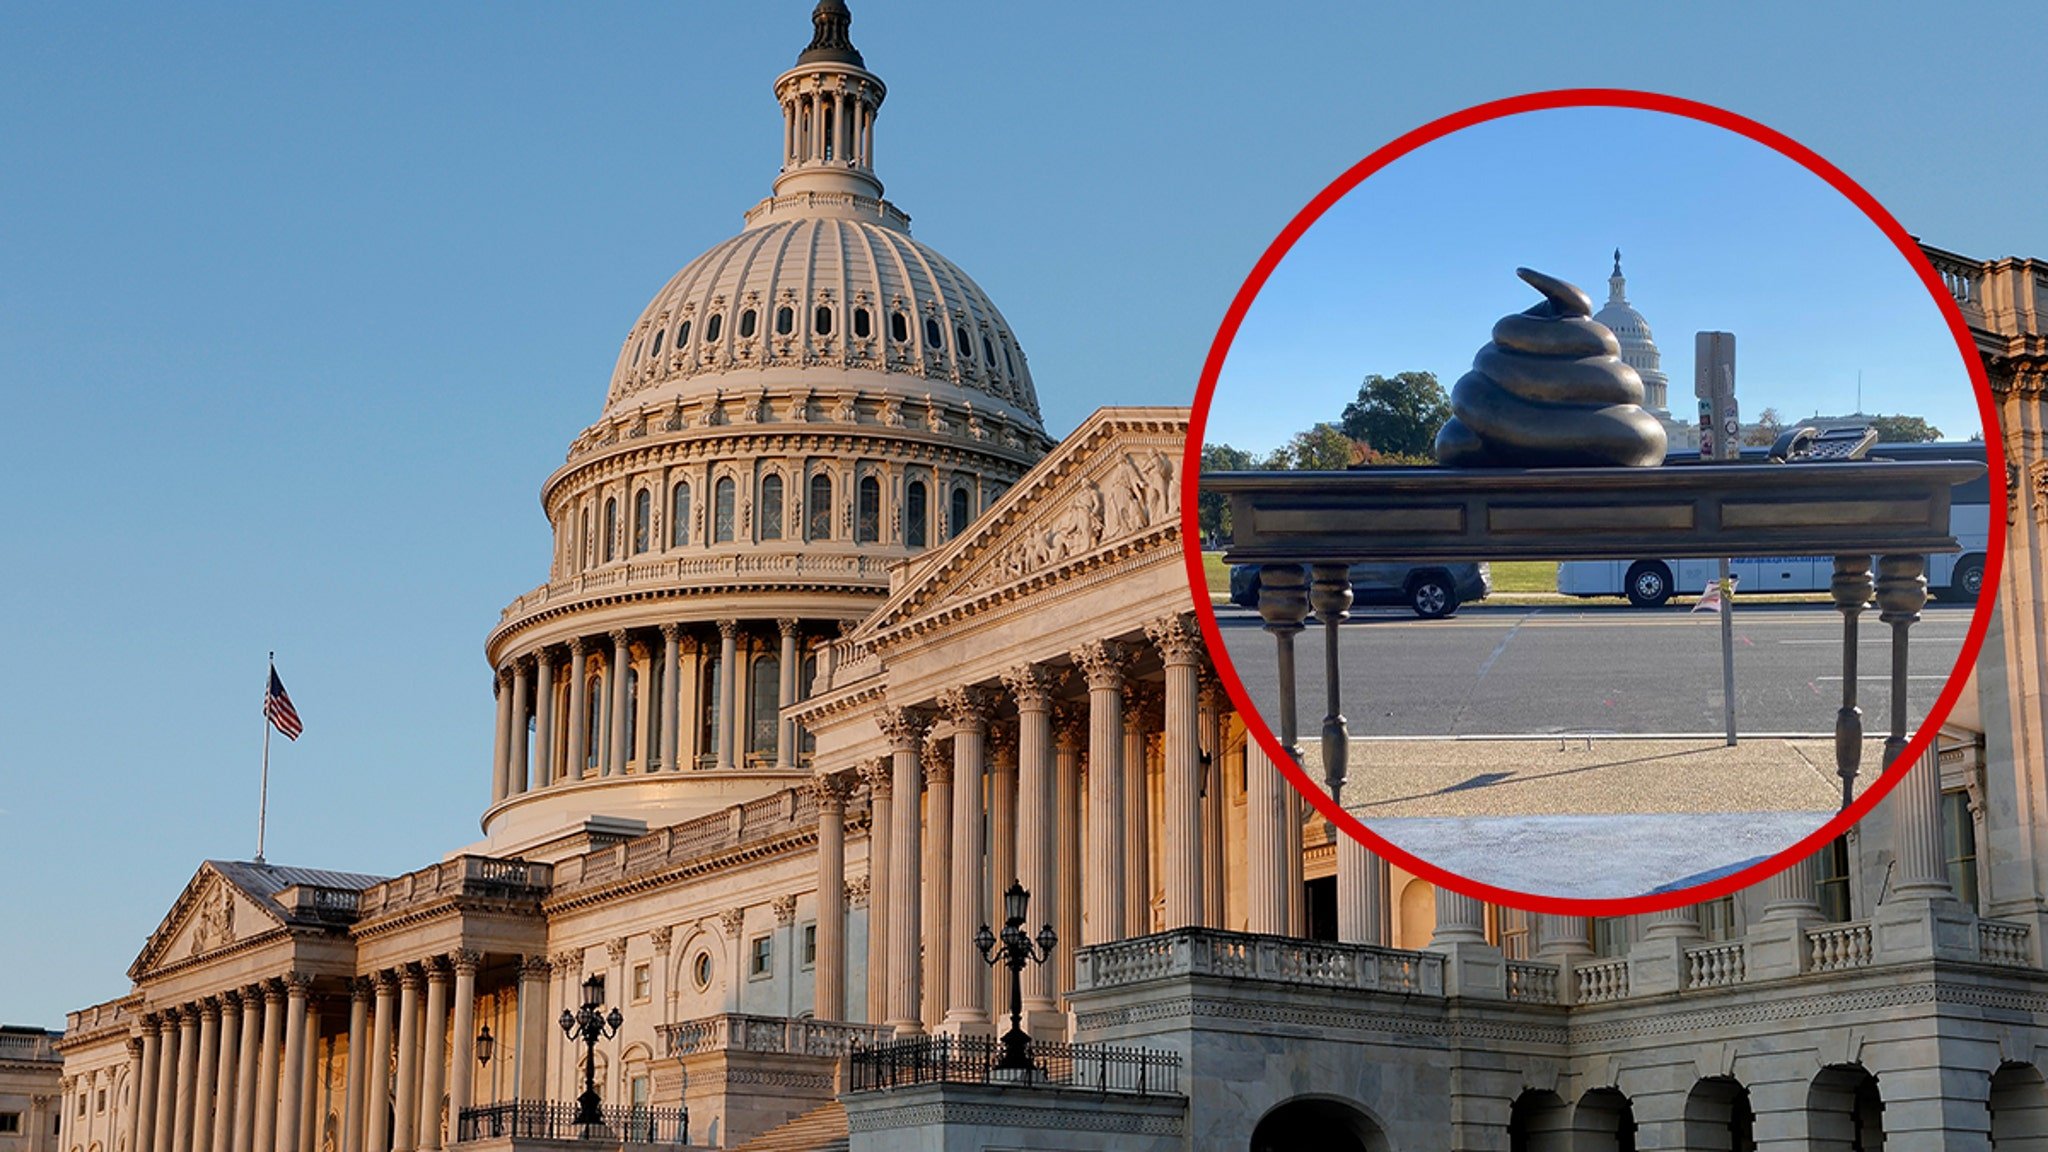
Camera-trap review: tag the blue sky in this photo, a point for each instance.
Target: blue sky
(1718, 232)
(299, 304)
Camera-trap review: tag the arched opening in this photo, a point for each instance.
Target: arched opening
(679, 515)
(611, 527)
(867, 524)
(722, 510)
(771, 507)
(643, 519)
(821, 508)
(707, 691)
(1604, 1121)
(1538, 1121)
(632, 714)
(594, 700)
(1418, 914)
(2019, 1109)
(1844, 1110)
(1318, 1125)
(764, 688)
(1718, 1117)
(960, 510)
(916, 517)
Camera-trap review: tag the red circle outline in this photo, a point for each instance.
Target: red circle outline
(1226, 333)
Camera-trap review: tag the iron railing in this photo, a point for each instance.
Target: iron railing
(974, 1060)
(554, 1120)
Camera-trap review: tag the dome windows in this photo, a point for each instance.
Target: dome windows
(683, 334)
(862, 327)
(611, 528)
(643, 519)
(747, 324)
(657, 340)
(722, 498)
(960, 512)
(785, 320)
(820, 527)
(988, 351)
(899, 327)
(822, 321)
(916, 516)
(712, 326)
(867, 521)
(964, 347)
(934, 336)
(679, 515)
(771, 508)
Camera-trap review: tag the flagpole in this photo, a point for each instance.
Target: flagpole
(263, 793)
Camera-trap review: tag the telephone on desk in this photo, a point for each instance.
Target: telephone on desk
(1810, 445)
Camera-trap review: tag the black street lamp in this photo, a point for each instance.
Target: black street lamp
(486, 1044)
(1015, 949)
(590, 1024)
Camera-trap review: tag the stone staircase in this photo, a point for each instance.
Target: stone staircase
(822, 1129)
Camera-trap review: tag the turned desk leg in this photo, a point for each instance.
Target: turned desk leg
(1283, 604)
(1901, 593)
(1851, 589)
(1330, 596)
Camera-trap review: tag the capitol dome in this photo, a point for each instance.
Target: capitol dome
(794, 418)
(1638, 347)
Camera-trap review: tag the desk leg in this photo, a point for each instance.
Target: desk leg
(1283, 604)
(1330, 596)
(1852, 590)
(1901, 593)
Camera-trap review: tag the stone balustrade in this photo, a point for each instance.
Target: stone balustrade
(461, 876)
(1838, 947)
(1268, 959)
(1530, 982)
(1602, 981)
(691, 571)
(1715, 966)
(28, 1046)
(790, 813)
(768, 1035)
(2004, 942)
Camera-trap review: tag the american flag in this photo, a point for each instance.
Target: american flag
(277, 708)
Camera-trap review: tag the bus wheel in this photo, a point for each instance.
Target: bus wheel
(1648, 584)
(1967, 581)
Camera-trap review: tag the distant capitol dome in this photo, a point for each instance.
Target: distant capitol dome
(797, 413)
(1638, 347)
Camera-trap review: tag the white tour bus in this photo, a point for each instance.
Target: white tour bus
(1650, 582)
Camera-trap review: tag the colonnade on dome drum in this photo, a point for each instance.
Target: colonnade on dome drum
(685, 696)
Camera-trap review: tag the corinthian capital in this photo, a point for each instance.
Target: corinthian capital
(831, 789)
(1176, 638)
(1032, 685)
(1102, 662)
(903, 727)
(967, 707)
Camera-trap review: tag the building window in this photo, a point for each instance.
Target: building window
(988, 352)
(721, 511)
(810, 952)
(862, 328)
(611, 527)
(822, 321)
(821, 507)
(761, 957)
(747, 324)
(771, 508)
(763, 693)
(1959, 845)
(683, 335)
(700, 971)
(899, 327)
(960, 511)
(657, 340)
(593, 710)
(1009, 365)
(915, 515)
(643, 983)
(81, 1103)
(867, 524)
(806, 743)
(1610, 936)
(1717, 919)
(583, 541)
(785, 321)
(962, 346)
(632, 712)
(10, 1123)
(643, 519)
(679, 515)
(708, 692)
(1512, 929)
(712, 326)
(1832, 889)
(100, 1103)
(934, 338)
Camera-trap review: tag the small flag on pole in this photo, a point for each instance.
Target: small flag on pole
(277, 707)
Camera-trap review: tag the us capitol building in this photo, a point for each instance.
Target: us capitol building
(837, 643)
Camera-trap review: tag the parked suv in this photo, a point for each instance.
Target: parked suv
(1432, 590)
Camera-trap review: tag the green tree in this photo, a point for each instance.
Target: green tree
(1904, 429)
(1323, 448)
(1398, 415)
(1213, 509)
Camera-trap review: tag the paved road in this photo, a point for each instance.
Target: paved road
(1503, 670)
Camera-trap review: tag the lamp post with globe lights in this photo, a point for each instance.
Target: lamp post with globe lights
(590, 1023)
(1015, 949)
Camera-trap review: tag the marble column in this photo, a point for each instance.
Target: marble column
(186, 1090)
(1139, 701)
(377, 1067)
(785, 695)
(671, 678)
(405, 1118)
(1916, 832)
(517, 777)
(292, 1071)
(207, 1075)
(1460, 919)
(533, 1028)
(1363, 880)
(145, 1087)
(359, 993)
(728, 692)
(579, 710)
(309, 1096)
(1265, 839)
(544, 768)
(434, 1062)
(1181, 840)
(1002, 813)
(967, 1003)
(462, 1065)
(1291, 807)
(1069, 737)
(904, 731)
(269, 1066)
(1102, 891)
(1032, 686)
(225, 1061)
(881, 884)
(501, 750)
(828, 997)
(1562, 939)
(1215, 801)
(1794, 893)
(936, 914)
(616, 673)
(141, 1070)
(248, 1050)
